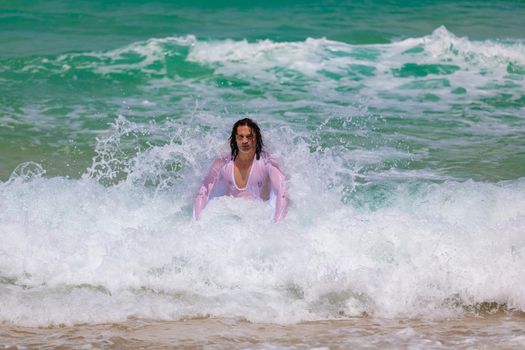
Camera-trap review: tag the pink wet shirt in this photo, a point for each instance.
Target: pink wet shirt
(265, 181)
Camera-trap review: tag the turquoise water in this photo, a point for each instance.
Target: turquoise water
(68, 69)
(400, 127)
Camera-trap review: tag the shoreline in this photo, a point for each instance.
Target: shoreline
(497, 331)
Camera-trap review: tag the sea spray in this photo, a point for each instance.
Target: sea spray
(102, 248)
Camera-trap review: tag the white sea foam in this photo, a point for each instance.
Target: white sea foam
(269, 61)
(79, 251)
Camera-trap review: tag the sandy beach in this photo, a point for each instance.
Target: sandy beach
(498, 331)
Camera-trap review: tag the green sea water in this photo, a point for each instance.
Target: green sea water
(67, 69)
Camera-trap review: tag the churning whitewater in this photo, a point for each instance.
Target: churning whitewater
(402, 162)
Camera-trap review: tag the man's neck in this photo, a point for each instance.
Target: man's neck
(245, 157)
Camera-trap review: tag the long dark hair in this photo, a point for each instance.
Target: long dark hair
(257, 133)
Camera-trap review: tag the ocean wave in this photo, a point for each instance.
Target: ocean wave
(309, 56)
(81, 251)
(438, 71)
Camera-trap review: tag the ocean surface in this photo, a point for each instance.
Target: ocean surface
(400, 127)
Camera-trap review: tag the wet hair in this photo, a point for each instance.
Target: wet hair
(256, 131)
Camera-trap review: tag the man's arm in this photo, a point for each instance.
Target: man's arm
(278, 184)
(208, 184)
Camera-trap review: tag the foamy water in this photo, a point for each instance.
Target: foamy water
(76, 250)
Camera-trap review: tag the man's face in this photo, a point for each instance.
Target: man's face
(245, 139)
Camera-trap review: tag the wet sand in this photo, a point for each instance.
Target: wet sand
(484, 332)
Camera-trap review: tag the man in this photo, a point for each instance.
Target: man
(249, 172)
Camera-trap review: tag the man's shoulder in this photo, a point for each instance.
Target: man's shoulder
(264, 156)
(221, 160)
(224, 158)
(268, 159)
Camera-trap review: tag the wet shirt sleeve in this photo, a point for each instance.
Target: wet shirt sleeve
(278, 185)
(210, 185)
